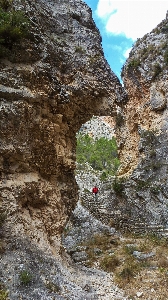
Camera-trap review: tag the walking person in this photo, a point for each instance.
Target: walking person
(95, 191)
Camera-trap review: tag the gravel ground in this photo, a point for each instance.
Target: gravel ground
(49, 278)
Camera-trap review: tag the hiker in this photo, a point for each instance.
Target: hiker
(95, 191)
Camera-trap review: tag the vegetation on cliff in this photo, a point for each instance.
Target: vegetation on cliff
(13, 27)
(101, 153)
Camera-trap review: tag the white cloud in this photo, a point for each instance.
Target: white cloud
(132, 18)
(126, 52)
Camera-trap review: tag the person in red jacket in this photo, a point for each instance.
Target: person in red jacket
(95, 191)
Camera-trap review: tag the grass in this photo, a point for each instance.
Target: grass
(102, 243)
(3, 292)
(3, 295)
(132, 274)
(52, 287)
(109, 263)
(25, 277)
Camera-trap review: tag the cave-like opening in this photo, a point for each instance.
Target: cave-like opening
(97, 159)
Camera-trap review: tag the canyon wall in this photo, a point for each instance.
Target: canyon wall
(51, 83)
(142, 129)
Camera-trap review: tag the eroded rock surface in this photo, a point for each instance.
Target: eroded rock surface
(143, 130)
(50, 85)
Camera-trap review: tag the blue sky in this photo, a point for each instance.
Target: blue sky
(121, 22)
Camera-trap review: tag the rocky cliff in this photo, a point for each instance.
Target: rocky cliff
(142, 128)
(51, 83)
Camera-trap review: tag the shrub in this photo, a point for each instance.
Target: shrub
(149, 137)
(52, 287)
(155, 190)
(127, 273)
(163, 262)
(109, 263)
(79, 49)
(156, 70)
(133, 64)
(103, 176)
(3, 292)
(5, 4)
(165, 29)
(2, 217)
(118, 185)
(13, 28)
(166, 56)
(119, 120)
(94, 59)
(142, 185)
(25, 277)
(129, 249)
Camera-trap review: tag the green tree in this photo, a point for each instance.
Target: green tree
(101, 154)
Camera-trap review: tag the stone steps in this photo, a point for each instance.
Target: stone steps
(123, 223)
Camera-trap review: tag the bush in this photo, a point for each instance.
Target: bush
(5, 4)
(149, 137)
(156, 70)
(25, 277)
(2, 217)
(3, 292)
(13, 28)
(52, 287)
(119, 120)
(166, 56)
(118, 185)
(133, 64)
(109, 263)
(127, 273)
(79, 49)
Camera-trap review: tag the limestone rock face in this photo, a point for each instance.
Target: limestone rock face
(50, 84)
(143, 127)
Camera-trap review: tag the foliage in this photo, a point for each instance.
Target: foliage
(149, 137)
(2, 216)
(119, 120)
(3, 295)
(5, 4)
(165, 29)
(129, 249)
(118, 185)
(133, 64)
(127, 273)
(94, 59)
(101, 154)
(109, 263)
(25, 277)
(166, 56)
(3, 292)
(52, 287)
(156, 70)
(79, 49)
(13, 27)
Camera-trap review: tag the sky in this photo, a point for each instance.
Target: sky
(121, 22)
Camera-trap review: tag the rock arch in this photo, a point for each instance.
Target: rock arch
(57, 80)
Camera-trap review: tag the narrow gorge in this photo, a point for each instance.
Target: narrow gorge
(53, 79)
